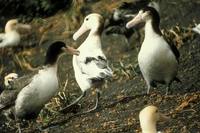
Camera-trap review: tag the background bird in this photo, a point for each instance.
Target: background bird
(8, 79)
(11, 37)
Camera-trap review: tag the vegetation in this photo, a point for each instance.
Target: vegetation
(32, 8)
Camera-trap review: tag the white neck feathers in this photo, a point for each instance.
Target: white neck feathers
(149, 31)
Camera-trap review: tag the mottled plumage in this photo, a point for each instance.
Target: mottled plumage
(91, 66)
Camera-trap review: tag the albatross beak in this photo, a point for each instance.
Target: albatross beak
(71, 50)
(136, 20)
(80, 31)
(163, 117)
(24, 26)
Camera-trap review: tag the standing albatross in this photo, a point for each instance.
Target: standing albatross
(90, 66)
(30, 94)
(158, 60)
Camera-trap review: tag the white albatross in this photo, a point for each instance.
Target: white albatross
(11, 37)
(158, 60)
(91, 65)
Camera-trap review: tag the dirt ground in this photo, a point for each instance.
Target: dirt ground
(122, 97)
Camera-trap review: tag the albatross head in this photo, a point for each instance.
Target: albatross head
(149, 117)
(9, 78)
(93, 22)
(13, 25)
(56, 49)
(145, 14)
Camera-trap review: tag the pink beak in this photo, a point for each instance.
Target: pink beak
(136, 20)
(24, 26)
(80, 31)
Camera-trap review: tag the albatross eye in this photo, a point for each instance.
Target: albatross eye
(87, 19)
(156, 111)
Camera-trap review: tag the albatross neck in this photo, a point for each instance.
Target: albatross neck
(94, 37)
(148, 127)
(151, 31)
(51, 67)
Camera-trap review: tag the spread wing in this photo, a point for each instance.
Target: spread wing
(8, 96)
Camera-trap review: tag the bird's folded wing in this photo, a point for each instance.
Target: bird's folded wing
(92, 66)
(173, 48)
(7, 98)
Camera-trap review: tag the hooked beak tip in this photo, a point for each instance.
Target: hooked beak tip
(72, 50)
(128, 26)
(74, 37)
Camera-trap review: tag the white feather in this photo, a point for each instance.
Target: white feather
(91, 48)
(42, 88)
(10, 39)
(156, 60)
(197, 29)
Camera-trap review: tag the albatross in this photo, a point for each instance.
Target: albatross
(158, 59)
(91, 65)
(11, 37)
(30, 93)
(149, 116)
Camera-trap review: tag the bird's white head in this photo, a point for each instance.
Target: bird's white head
(93, 22)
(145, 14)
(149, 117)
(13, 25)
(142, 16)
(9, 78)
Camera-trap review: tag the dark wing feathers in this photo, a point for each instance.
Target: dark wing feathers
(172, 47)
(89, 59)
(175, 51)
(100, 61)
(7, 98)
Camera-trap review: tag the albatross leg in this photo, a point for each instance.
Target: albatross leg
(168, 89)
(97, 102)
(148, 88)
(73, 103)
